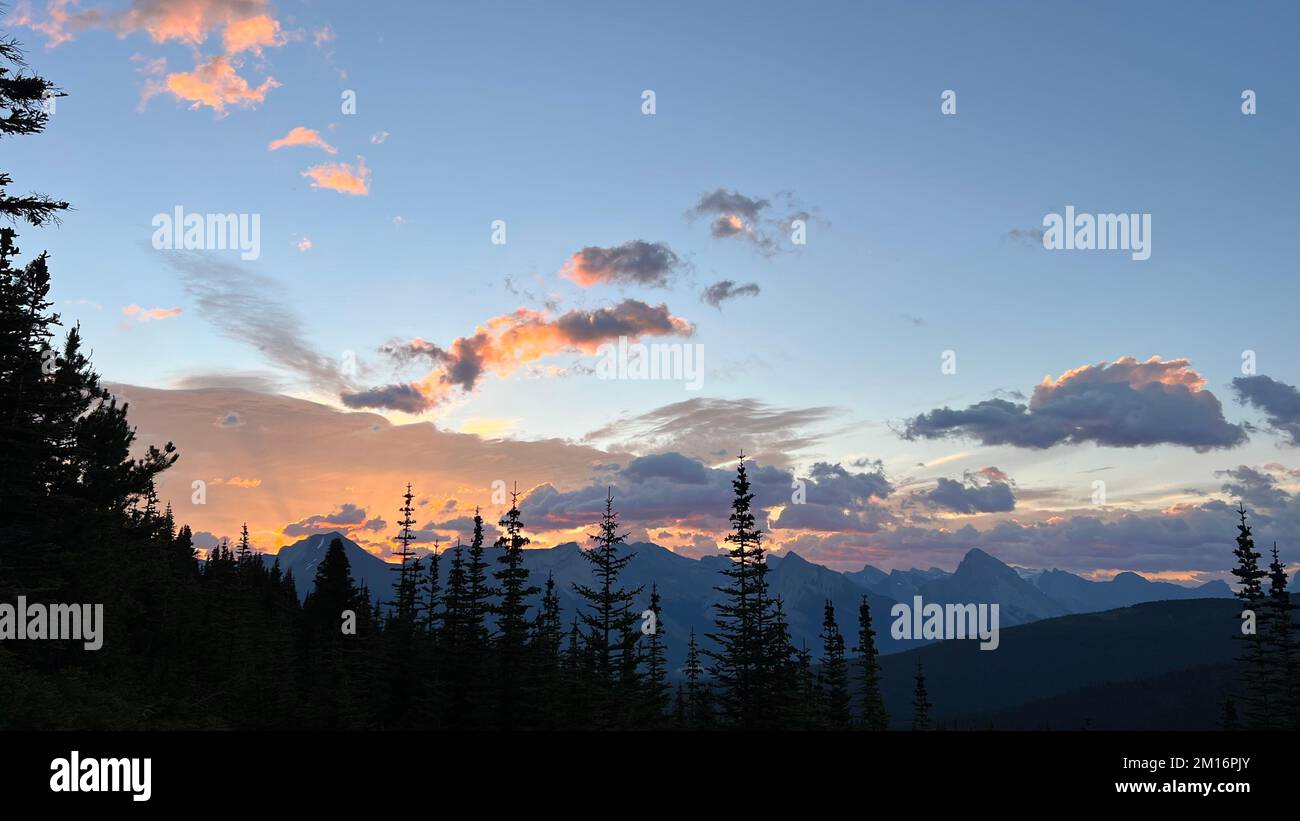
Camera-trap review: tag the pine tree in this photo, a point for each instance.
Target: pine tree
(811, 708)
(834, 674)
(920, 703)
(609, 617)
(656, 666)
(432, 597)
(26, 100)
(699, 707)
(333, 675)
(400, 663)
(515, 678)
(406, 587)
(742, 666)
(244, 555)
(548, 635)
(478, 592)
(1254, 663)
(874, 716)
(1281, 648)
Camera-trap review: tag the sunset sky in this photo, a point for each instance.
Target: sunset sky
(475, 361)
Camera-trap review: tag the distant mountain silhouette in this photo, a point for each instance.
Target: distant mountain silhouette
(1079, 595)
(1055, 657)
(687, 587)
(1026, 595)
(982, 578)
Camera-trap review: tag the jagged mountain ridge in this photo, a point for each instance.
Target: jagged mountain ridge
(687, 588)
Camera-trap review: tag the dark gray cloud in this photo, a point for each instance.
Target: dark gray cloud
(1279, 401)
(446, 532)
(987, 490)
(1125, 403)
(732, 214)
(397, 396)
(633, 263)
(720, 292)
(653, 491)
(345, 518)
(837, 499)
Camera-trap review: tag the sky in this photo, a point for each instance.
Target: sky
(838, 206)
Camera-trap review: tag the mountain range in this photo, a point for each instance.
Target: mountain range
(687, 588)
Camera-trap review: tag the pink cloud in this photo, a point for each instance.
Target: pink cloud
(299, 135)
(341, 177)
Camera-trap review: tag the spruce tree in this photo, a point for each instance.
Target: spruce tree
(921, 703)
(699, 707)
(742, 668)
(515, 679)
(25, 99)
(406, 586)
(656, 666)
(834, 674)
(874, 716)
(1281, 649)
(609, 617)
(548, 636)
(1254, 673)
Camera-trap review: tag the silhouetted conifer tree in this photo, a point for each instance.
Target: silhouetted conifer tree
(1254, 662)
(1281, 648)
(656, 666)
(874, 716)
(515, 676)
(609, 618)
(834, 674)
(921, 703)
(743, 663)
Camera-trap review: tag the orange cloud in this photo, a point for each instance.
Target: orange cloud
(302, 136)
(252, 34)
(1127, 370)
(504, 343)
(216, 84)
(368, 462)
(246, 25)
(149, 314)
(341, 177)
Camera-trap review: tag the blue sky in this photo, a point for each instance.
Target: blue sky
(531, 114)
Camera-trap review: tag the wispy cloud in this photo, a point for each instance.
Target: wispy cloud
(246, 306)
(139, 314)
(720, 292)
